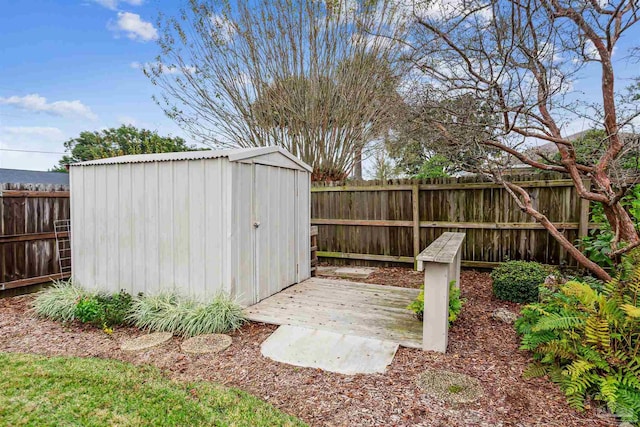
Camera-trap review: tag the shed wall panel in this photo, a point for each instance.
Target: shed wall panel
(110, 219)
(213, 233)
(197, 225)
(139, 257)
(244, 251)
(180, 256)
(99, 246)
(165, 226)
(124, 239)
(151, 223)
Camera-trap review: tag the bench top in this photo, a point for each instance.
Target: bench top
(443, 249)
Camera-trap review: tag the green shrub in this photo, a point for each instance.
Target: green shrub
(455, 303)
(88, 310)
(59, 301)
(116, 308)
(104, 309)
(518, 281)
(181, 316)
(588, 341)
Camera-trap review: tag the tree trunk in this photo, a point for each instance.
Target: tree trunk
(357, 167)
(622, 225)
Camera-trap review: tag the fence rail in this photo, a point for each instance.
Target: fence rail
(390, 221)
(28, 212)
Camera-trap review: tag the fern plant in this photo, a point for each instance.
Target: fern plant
(588, 341)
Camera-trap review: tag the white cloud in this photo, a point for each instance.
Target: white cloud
(47, 141)
(36, 103)
(113, 4)
(134, 27)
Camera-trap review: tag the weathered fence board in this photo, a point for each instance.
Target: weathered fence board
(28, 252)
(390, 221)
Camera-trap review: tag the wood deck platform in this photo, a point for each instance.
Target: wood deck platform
(361, 309)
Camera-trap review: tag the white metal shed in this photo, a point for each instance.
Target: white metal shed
(194, 223)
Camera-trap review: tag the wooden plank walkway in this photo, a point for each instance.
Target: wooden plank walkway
(361, 309)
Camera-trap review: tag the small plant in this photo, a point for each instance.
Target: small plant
(455, 388)
(518, 281)
(588, 341)
(89, 310)
(170, 313)
(455, 303)
(59, 301)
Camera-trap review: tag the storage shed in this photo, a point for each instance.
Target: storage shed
(193, 223)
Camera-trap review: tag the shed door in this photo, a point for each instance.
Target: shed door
(275, 220)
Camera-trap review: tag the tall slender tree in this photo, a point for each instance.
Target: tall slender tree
(303, 75)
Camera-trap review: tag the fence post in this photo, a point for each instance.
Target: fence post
(415, 205)
(314, 249)
(583, 221)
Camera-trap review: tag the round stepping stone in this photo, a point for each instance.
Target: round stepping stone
(452, 387)
(146, 341)
(209, 343)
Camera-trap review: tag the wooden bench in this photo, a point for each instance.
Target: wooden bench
(440, 262)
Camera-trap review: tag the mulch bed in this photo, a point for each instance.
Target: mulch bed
(479, 346)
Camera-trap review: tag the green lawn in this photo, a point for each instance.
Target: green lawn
(69, 391)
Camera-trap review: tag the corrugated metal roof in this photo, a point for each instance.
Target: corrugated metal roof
(233, 155)
(19, 176)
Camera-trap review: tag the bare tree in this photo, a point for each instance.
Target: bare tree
(519, 59)
(298, 74)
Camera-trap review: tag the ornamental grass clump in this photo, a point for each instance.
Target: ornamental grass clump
(181, 316)
(59, 301)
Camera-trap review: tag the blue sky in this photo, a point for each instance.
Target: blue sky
(71, 65)
(66, 66)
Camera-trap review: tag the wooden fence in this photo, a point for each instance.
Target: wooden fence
(393, 221)
(28, 212)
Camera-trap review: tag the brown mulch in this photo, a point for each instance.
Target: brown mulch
(478, 346)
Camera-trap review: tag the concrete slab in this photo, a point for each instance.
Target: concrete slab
(347, 272)
(329, 351)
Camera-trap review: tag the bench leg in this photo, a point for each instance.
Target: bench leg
(435, 328)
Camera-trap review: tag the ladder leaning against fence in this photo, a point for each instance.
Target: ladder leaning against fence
(62, 230)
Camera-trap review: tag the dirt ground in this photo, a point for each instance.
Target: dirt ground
(478, 346)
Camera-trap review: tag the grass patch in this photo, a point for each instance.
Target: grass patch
(70, 391)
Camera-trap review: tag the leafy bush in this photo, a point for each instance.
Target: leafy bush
(88, 310)
(518, 281)
(104, 310)
(588, 341)
(59, 301)
(170, 313)
(455, 303)
(116, 308)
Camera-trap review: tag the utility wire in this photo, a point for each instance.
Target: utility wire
(31, 151)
